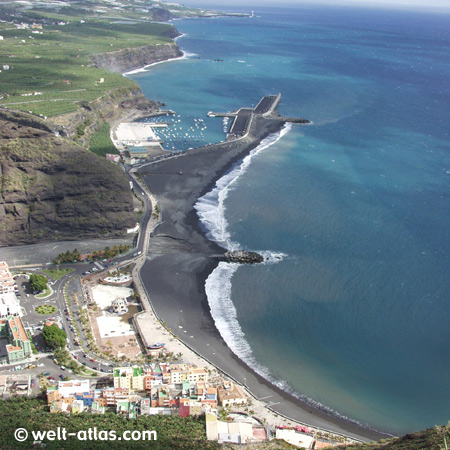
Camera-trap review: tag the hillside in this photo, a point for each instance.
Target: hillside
(51, 188)
(173, 432)
(437, 438)
(61, 71)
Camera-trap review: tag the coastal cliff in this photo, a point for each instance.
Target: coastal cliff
(128, 59)
(52, 189)
(116, 104)
(51, 186)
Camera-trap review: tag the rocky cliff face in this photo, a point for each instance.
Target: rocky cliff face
(117, 103)
(51, 188)
(128, 59)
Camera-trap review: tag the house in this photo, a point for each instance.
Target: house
(77, 407)
(15, 345)
(233, 432)
(231, 394)
(9, 306)
(127, 408)
(138, 152)
(296, 438)
(112, 157)
(97, 408)
(72, 387)
(6, 279)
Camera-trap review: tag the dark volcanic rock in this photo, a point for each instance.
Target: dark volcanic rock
(240, 256)
(54, 189)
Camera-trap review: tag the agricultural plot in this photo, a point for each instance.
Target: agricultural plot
(47, 71)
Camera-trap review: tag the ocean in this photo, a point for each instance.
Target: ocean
(352, 309)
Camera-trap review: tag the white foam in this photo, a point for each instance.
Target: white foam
(211, 207)
(218, 290)
(145, 68)
(211, 211)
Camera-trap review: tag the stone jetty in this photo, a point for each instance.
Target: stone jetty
(240, 256)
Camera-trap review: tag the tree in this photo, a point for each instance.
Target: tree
(38, 282)
(54, 336)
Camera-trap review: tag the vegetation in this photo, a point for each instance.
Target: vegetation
(38, 282)
(68, 257)
(54, 336)
(32, 414)
(49, 68)
(74, 256)
(56, 274)
(437, 438)
(63, 357)
(46, 309)
(101, 143)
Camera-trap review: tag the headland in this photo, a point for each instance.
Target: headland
(180, 258)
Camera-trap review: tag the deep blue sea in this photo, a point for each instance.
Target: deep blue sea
(353, 309)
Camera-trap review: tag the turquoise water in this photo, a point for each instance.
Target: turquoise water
(356, 314)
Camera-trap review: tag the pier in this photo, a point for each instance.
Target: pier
(243, 117)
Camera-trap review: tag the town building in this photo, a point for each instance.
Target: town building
(184, 372)
(138, 152)
(112, 157)
(14, 343)
(130, 378)
(9, 306)
(231, 394)
(6, 279)
(240, 429)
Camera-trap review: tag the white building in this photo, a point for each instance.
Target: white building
(9, 305)
(6, 279)
(72, 387)
(295, 438)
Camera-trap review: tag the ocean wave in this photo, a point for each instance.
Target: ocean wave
(211, 211)
(145, 68)
(218, 290)
(211, 207)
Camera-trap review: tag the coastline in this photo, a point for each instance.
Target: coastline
(144, 68)
(179, 262)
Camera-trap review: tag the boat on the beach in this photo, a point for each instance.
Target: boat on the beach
(156, 346)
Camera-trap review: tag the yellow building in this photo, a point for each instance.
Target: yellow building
(130, 378)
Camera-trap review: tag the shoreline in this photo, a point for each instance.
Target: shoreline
(144, 68)
(179, 262)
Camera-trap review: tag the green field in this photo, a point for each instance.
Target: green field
(101, 143)
(49, 72)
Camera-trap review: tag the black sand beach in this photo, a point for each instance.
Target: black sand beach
(180, 261)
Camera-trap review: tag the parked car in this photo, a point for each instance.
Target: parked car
(51, 378)
(46, 374)
(91, 359)
(62, 377)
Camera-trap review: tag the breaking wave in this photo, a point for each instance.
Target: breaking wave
(211, 207)
(211, 211)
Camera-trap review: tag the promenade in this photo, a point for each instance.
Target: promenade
(179, 260)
